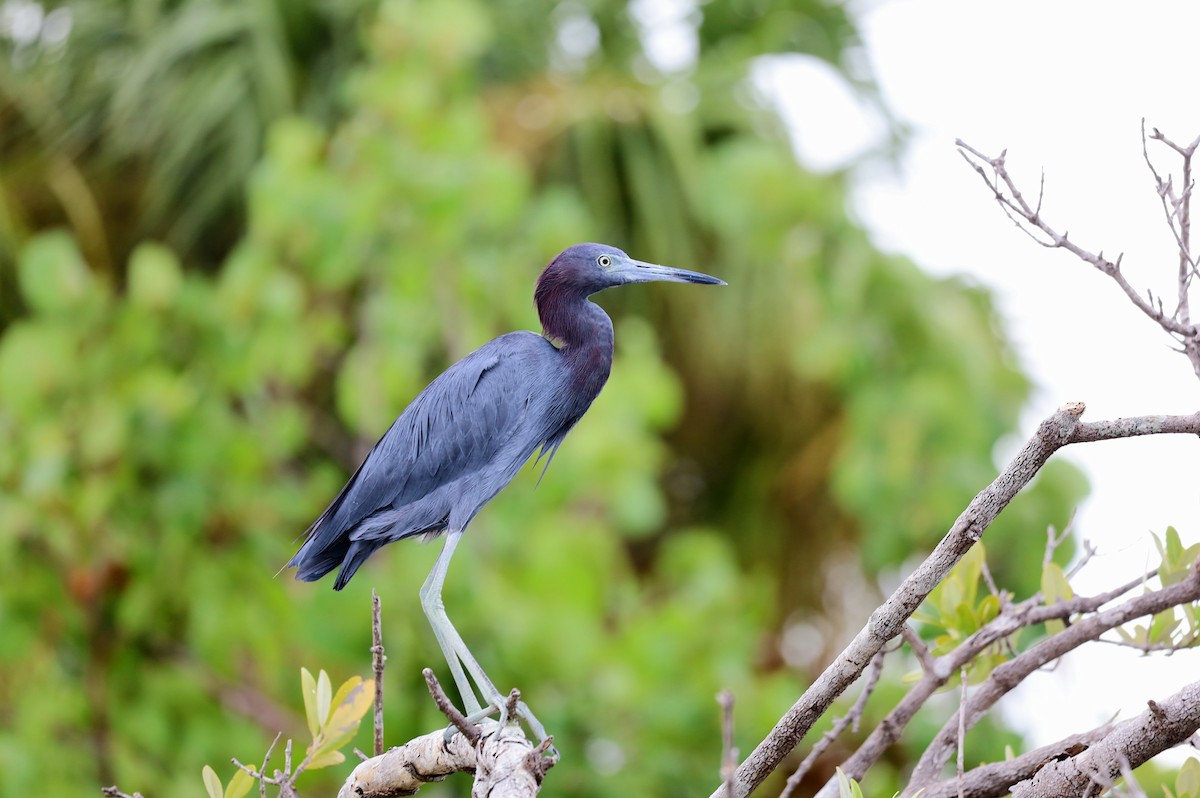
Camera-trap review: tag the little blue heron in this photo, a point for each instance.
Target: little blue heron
(465, 436)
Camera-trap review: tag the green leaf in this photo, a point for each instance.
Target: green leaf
(354, 700)
(239, 785)
(1174, 546)
(1055, 588)
(324, 697)
(325, 759)
(848, 787)
(1162, 625)
(52, 273)
(308, 687)
(988, 609)
(1187, 783)
(212, 784)
(154, 276)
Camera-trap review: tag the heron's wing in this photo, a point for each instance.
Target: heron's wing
(458, 425)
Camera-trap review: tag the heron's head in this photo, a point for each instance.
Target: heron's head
(589, 268)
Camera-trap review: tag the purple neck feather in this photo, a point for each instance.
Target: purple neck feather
(581, 330)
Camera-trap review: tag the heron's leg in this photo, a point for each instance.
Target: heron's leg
(451, 643)
(458, 656)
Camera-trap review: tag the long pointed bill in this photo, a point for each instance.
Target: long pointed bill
(636, 271)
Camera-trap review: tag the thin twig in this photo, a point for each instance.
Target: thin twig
(1131, 783)
(378, 659)
(990, 581)
(1146, 648)
(262, 784)
(261, 774)
(728, 751)
(1009, 197)
(1053, 541)
(962, 727)
(1177, 211)
(850, 719)
(1089, 551)
(448, 709)
(919, 648)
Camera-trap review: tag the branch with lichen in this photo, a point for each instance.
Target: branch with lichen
(504, 762)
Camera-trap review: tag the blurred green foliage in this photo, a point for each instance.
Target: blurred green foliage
(171, 425)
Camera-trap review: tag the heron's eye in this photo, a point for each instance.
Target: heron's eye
(604, 261)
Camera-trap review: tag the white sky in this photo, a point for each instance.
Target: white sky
(1063, 85)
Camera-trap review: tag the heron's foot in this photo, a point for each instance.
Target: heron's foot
(512, 710)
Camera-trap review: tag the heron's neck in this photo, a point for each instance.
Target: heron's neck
(584, 334)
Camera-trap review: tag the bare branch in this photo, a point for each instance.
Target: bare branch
(1009, 674)
(1163, 725)
(1060, 429)
(1029, 219)
(261, 774)
(962, 729)
(996, 779)
(851, 718)
(1178, 215)
(448, 709)
(1013, 618)
(728, 752)
(505, 764)
(1053, 541)
(919, 648)
(378, 660)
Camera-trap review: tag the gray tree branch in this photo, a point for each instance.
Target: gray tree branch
(1008, 675)
(996, 779)
(937, 671)
(1028, 218)
(1163, 725)
(1062, 428)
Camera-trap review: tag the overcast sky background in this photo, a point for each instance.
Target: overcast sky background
(1063, 85)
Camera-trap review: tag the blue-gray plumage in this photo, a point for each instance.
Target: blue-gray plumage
(464, 438)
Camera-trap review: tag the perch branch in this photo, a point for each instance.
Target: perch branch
(505, 763)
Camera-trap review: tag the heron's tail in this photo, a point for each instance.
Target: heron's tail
(318, 557)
